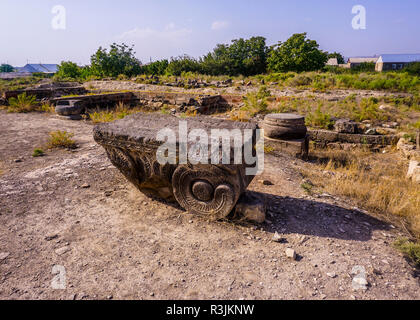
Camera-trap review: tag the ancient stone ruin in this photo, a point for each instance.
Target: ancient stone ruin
(204, 189)
(48, 91)
(286, 133)
(150, 100)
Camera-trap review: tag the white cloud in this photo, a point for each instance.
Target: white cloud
(170, 32)
(219, 25)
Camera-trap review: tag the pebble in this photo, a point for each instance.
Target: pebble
(51, 237)
(303, 239)
(4, 255)
(277, 238)
(290, 253)
(86, 186)
(332, 275)
(62, 250)
(360, 283)
(108, 193)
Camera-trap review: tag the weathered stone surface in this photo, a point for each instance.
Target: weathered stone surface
(414, 171)
(50, 91)
(298, 148)
(69, 107)
(407, 149)
(326, 136)
(4, 255)
(62, 250)
(345, 126)
(155, 100)
(207, 189)
(284, 126)
(98, 100)
(290, 253)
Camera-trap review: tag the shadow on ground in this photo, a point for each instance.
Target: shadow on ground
(307, 217)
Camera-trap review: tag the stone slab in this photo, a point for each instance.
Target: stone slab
(298, 148)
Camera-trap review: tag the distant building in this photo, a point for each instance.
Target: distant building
(357, 61)
(38, 68)
(332, 62)
(395, 61)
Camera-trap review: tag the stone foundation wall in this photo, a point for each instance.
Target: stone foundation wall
(204, 104)
(325, 137)
(46, 93)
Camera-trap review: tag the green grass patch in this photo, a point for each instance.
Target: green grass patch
(38, 153)
(409, 249)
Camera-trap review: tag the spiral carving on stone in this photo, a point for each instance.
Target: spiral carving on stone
(120, 160)
(204, 192)
(137, 170)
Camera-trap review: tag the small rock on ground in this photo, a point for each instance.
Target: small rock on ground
(290, 253)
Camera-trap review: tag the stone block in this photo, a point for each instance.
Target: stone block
(298, 148)
(206, 189)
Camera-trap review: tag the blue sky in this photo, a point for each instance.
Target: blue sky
(165, 28)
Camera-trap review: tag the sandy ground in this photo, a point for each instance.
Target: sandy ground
(74, 210)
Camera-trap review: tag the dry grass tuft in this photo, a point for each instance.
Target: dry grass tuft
(120, 112)
(376, 182)
(48, 108)
(61, 139)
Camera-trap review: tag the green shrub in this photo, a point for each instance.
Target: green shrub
(256, 102)
(367, 110)
(119, 59)
(413, 68)
(182, 64)
(22, 103)
(410, 249)
(68, 69)
(319, 119)
(38, 153)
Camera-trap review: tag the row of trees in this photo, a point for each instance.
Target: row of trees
(6, 68)
(241, 57)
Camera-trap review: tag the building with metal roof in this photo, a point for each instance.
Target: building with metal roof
(332, 62)
(39, 68)
(395, 61)
(357, 61)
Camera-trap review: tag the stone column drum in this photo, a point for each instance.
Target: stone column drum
(286, 133)
(204, 189)
(285, 126)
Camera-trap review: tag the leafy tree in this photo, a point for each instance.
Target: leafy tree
(413, 68)
(339, 56)
(296, 54)
(120, 59)
(6, 68)
(245, 57)
(216, 62)
(68, 69)
(182, 64)
(155, 68)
